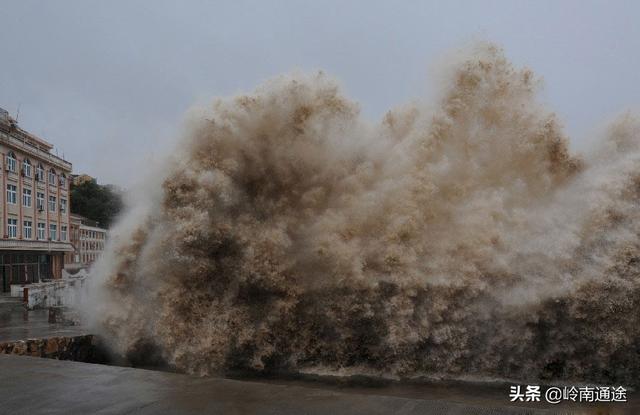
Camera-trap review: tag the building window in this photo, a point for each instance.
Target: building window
(52, 177)
(11, 162)
(26, 168)
(63, 205)
(12, 228)
(27, 229)
(53, 232)
(63, 180)
(63, 233)
(40, 201)
(52, 203)
(41, 231)
(26, 197)
(40, 173)
(11, 194)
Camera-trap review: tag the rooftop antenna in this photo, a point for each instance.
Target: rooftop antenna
(18, 113)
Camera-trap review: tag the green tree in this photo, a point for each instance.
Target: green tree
(96, 202)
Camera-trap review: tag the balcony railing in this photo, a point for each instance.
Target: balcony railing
(34, 151)
(28, 245)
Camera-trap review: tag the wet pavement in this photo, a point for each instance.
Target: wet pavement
(44, 386)
(486, 393)
(18, 324)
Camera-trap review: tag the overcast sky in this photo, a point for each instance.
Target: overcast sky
(108, 82)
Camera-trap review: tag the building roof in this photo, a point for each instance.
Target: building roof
(8, 122)
(79, 179)
(14, 136)
(85, 221)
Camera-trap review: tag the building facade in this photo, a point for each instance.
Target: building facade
(79, 179)
(34, 207)
(87, 239)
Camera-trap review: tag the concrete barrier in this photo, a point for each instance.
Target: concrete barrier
(65, 292)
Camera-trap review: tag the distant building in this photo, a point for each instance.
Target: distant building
(34, 207)
(87, 239)
(79, 179)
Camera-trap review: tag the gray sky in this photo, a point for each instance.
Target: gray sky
(108, 82)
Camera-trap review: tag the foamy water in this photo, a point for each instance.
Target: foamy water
(457, 238)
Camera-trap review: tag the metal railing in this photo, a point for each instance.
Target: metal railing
(27, 245)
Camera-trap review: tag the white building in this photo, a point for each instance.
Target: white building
(88, 241)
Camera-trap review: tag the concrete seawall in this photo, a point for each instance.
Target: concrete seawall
(83, 348)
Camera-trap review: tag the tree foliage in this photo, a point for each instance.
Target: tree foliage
(101, 203)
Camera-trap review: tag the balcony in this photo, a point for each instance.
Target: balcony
(29, 245)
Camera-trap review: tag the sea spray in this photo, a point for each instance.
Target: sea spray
(287, 233)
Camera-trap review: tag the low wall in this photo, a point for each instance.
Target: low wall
(84, 348)
(65, 292)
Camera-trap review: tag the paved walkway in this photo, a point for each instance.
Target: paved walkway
(19, 324)
(44, 386)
